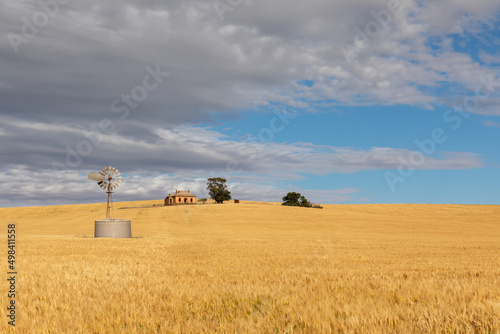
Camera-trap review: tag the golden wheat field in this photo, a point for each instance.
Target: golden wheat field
(257, 267)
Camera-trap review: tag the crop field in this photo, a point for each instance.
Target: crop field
(256, 267)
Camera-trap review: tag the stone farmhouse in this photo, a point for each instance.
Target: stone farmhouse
(180, 197)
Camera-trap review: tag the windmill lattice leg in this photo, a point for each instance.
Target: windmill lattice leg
(109, 206)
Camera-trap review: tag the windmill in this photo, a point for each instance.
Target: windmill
(108, 179)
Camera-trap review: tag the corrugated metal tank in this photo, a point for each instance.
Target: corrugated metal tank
(113, 228)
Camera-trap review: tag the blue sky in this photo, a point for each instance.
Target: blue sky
(389, 126)
(324, 98)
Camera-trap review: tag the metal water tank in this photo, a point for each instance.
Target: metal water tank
(113, 228)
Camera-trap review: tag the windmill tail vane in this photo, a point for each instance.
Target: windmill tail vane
(108, 179)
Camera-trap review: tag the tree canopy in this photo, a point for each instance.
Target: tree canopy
(217, 189)
(295, 199)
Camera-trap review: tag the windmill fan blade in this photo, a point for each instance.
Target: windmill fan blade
(118, 174)
(95, 176)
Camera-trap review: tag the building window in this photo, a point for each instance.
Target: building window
(191, 200)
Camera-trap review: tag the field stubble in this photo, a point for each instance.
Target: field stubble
(258, 267)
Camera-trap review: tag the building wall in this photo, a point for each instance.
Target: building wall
(180, 200)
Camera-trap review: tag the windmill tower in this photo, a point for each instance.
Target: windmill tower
(109, 179)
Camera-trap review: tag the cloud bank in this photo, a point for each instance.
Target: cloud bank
(71, 67)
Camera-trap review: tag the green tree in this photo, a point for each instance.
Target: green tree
(217, 189)
(291, 199)
(295, 199)
(203, 200)
(304, 202)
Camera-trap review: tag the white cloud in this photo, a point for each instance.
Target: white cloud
(492, 124)
(22, 187)
(489, 58)
(225, 65)
(184, 157)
